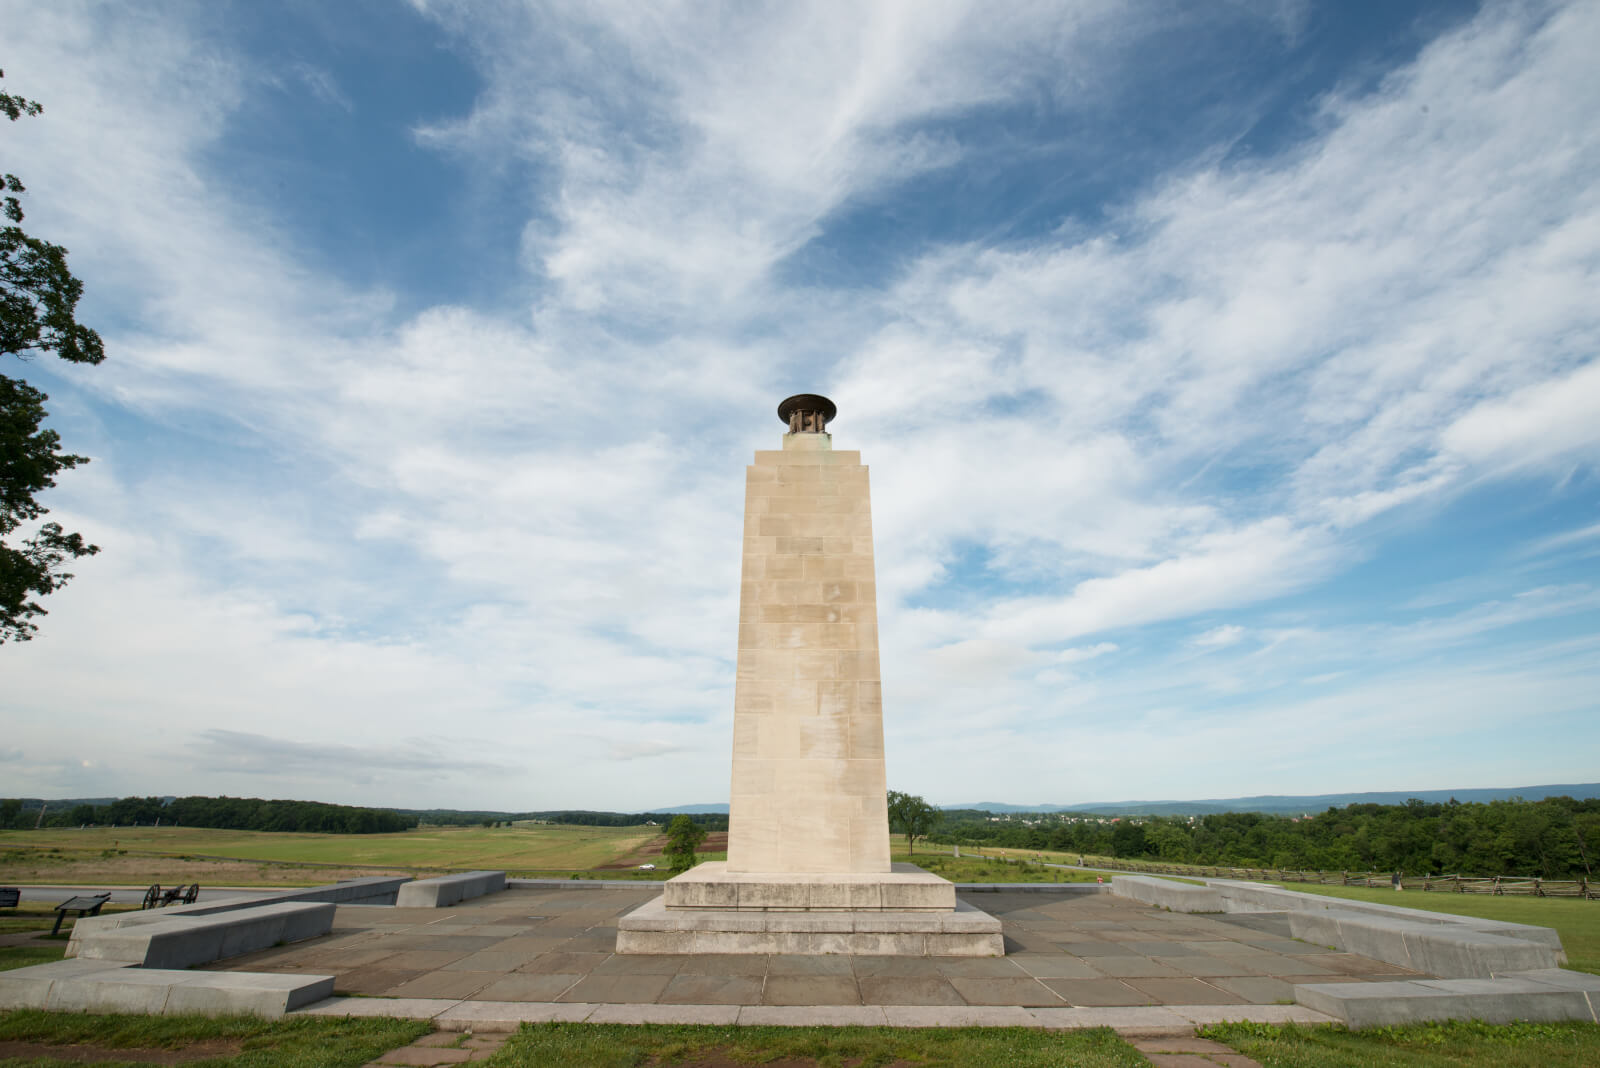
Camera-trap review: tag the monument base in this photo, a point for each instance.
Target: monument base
(904, 912)
(966, 931)
(903, 888)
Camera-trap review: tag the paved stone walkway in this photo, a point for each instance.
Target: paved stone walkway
(442, 1047)
(1074, 950)
(1190, 1052)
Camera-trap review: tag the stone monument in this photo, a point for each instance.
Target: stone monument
(808, 867)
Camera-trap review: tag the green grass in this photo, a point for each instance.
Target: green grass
(1435, 1045)
(987, 870)
(1577, 921)
(41, 916)
(298, 1042)
(27, 956)
(615, 1046)
(128, 855)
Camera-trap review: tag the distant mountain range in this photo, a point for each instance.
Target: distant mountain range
(1273, 804)
(1279, 804)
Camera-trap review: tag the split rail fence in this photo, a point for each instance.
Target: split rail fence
(1507, 885)
(1456, 884)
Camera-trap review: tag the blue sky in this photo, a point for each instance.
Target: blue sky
(1227, 373)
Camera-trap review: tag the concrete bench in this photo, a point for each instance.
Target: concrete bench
(1167, 894)
(1241, 896)
(1452, 951)
(163, 940)
(446, 890)
(109, 986)
(372, 890)
(1541, 994)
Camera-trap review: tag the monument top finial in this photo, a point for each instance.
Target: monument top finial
(807, 413)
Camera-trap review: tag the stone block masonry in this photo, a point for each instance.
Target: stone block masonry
(808, 867)
(808, 791)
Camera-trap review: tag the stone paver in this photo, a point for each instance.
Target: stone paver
(712, 990)
(1190, 1052)
(617, 989)
(811, 990)
(1185, 992)
(547, 954)
(443, 1047)
(1028, 992)
(908, 990)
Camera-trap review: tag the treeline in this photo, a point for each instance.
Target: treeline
(452, 817)
(711, 821)
(1556, 838)
(223, 813)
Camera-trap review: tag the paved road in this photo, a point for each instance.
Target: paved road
(54, 895)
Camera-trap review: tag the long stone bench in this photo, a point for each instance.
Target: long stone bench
(1168, 894)
(1241, 896)
(159, 939)
(1451, 951)
(370, 890)
(446, 890)
(1451, 947)
(109, 986)
(1541, 994)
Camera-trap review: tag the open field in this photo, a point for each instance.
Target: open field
(128, 856)
(1578, 922)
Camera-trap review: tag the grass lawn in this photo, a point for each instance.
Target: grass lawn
(26, 1038)
(986, 870)
(618, 1045)
(1577, 921)
(27, 956)
(165, 855)
(1436, 1045)
(41, 916)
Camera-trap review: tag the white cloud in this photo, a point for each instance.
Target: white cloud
(524, 523)
(1219, 637)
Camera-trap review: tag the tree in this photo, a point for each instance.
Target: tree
(912, 816)
(683, 834)
(38, 304)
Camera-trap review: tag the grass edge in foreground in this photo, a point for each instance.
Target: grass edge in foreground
(290, 1041)
(1565, 1044)
(667, 1044)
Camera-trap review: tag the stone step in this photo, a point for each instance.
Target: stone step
(966, 931)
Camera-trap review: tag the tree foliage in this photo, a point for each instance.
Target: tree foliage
(224, 813)
(38, 307)
(912, 816)
(1556, 838)
(683, 835)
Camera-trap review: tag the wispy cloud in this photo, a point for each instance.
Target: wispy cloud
(1200, 396)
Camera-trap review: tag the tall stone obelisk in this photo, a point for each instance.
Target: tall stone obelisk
(808, 789)
(808, 867)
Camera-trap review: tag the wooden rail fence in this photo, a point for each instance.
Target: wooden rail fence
(1509, 885)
